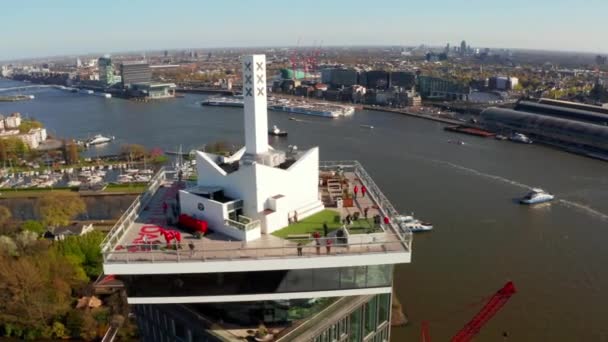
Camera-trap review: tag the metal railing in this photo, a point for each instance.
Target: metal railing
(244, 226)
(129, 216)
(384, 205)
(211, 250)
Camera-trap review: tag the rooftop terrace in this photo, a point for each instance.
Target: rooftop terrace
(136, 238)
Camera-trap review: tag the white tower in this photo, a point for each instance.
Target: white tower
(256, 110)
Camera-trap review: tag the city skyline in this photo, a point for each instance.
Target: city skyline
(72, 28)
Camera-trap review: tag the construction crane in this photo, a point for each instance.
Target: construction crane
(472, 328)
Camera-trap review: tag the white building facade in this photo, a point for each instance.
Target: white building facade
(269, 185)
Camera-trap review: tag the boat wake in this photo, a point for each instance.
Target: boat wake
(584, 208)
(569, 204)
(482, 174)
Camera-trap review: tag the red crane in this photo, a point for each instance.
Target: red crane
(472, 328)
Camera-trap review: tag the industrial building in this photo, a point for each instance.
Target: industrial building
(403, 79)
(106, 71)
(135, 72)
(573, 129)
(502, 83)
(438, 88)
(375, 79)
(340, 77)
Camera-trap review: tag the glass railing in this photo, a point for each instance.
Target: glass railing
(384, 205)
(211, 250)
(127, 218)
(243, 223)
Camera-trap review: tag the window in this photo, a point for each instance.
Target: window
(355, 326)
(371, 311)
(383, 307)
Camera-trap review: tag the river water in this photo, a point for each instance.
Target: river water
(556, 254)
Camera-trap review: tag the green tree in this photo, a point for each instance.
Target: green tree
(33, 226)
(27, 125)
(84, 251)
(35, 290)
(58, 209)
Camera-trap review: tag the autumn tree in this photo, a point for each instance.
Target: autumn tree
(5, 215)
(134, 151)
(72, 155)
(34, 291)
(57, 209)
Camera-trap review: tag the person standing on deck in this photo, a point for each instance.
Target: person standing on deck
(363, 190)
(355, 191)
(295, 216)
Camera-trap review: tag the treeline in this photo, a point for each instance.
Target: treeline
(42, 280)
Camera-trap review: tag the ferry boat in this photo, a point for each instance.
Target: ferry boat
(234, 101)
(520, 138)
(98, 139)
(536, 196)
(317, 109)
(275, 131)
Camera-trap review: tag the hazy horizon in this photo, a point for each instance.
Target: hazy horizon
(40, 28)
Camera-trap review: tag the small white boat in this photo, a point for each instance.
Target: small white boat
(146, 172)
(520, 138)
(98, 139)
(131, 171)
(74, 183)
(275, 131)
(415, 226)
(536, 196)
(367, 126)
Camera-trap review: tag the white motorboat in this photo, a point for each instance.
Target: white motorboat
(520, 138)
(74, 183)
(98, 139)
(536, 196)
(409, 223)
(146, 172)
(275, 131)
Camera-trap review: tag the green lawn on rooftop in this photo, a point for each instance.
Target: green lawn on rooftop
(312, 224)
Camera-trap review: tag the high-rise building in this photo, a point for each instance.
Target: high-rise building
(329, 282)
(135, 72)
(463, 48)
(106, 71)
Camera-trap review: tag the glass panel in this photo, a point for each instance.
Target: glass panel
(355, 326)
(383, 307)
(326, 279)
(371, 312)
(347, 278)
(378, 275)
(360, 276)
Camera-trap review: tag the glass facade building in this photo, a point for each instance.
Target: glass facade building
(260, 282)
(352, 319)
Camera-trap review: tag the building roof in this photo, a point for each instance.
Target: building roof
(562, 112)
(595, 132)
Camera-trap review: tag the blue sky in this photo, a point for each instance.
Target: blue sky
(55, 27)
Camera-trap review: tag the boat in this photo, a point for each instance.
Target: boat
(367, 126)
(234, 101)
(520, 138)
(456, 142)
(74, 183)
(501, 137)
(316, 109)
(536, 196)
(275, 131)
(409, 223)
(98, 139)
